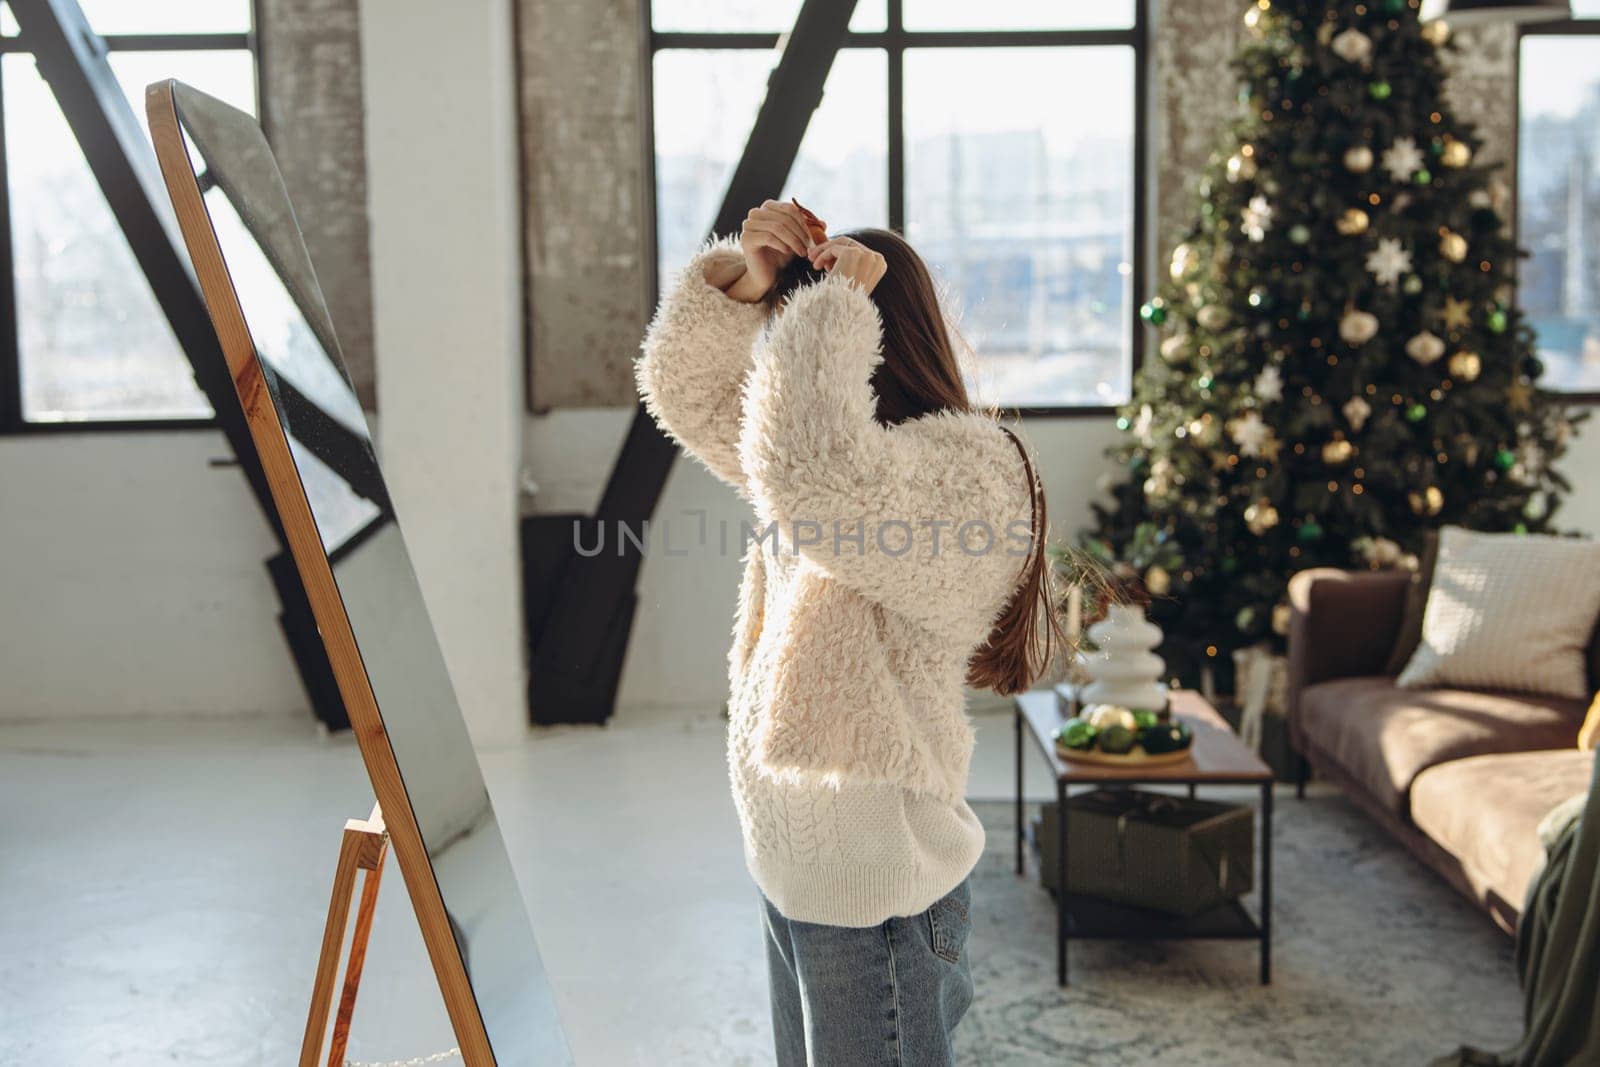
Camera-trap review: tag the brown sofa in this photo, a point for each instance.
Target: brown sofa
(1461, 777)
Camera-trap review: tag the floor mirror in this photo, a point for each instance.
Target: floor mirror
(315, 445)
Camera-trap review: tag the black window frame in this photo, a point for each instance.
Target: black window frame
(13, 420)
(894, 40)
(1588, 26)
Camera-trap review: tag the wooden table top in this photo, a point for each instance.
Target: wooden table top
(1216, 756)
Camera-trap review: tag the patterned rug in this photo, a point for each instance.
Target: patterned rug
(1375, 961)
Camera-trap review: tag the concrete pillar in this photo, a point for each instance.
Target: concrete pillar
(446, 272)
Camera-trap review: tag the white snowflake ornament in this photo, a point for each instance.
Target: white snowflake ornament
(1250, 433)
(1356, 412)
(1143, 424)
(1269, 383)
(1380, 551)
(1388, 261)
(1256, 218)
(1402, 159)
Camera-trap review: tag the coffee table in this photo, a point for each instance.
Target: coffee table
(1217, 757)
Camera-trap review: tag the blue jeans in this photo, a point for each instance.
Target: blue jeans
(888, 995)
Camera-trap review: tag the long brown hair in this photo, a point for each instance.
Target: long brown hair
(919, 375)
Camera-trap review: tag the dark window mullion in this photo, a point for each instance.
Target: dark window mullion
(1142, 200)
(1578, 27)
(897, 119)
(178, 42)
(10, 347)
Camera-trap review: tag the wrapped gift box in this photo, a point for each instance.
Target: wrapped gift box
(1171, 854)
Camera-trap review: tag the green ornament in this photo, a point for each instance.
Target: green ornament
(1230, 564)
(1423, 177)
(1393, 7)
(1260, 298)
(1412, 284)
(1520, 528)
(1299, 233)
(1310, 530)
(1123, 423)
(1379, 90)
(1417, 412)
(1076, 734)
(1117, 740)
(1203, 382)
(1154, 312)
(1505, 459)
(1304, 314)
(1497, 321)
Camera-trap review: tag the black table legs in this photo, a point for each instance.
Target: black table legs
(1022, 832)
(1062, 917)
(1266, 882)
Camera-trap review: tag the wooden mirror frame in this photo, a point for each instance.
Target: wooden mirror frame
(311, 560)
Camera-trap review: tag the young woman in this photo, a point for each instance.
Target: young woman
(896, 555)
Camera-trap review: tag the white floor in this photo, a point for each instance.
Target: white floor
(163, 882)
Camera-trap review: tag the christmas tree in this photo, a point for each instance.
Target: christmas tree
(1342, 365)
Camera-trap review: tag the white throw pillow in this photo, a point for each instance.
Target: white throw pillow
(1508, 611)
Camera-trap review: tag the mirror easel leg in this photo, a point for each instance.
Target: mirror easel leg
(362, 848)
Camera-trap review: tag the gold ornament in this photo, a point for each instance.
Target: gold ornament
(1254, 19)
(1452, 246)
(1456, 314)
(1455, 153)
(1260, 517)
(1436, 32)
(1157, 582)
(1428, 502)
(1175, 349)
(1184, 260)
(1465, 366)
(1241, 167)
(1280, 619)
(1519, 396)
(1337, 451)
(1212, 317)
(1352, 222)
(1358, 160)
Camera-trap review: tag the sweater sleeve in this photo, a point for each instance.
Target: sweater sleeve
(695, 356)
(930, 518)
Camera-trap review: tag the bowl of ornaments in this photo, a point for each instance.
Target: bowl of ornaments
(1116, 735)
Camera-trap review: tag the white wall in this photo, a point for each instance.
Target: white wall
(441, 156)
(131, 581)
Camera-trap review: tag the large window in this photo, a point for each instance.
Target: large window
(1002, 138)
(88, 345)
(1558, 195)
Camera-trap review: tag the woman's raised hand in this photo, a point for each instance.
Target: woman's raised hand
(851, 259)
(773, 234)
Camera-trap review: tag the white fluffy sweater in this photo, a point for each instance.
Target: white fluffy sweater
(849, 743)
